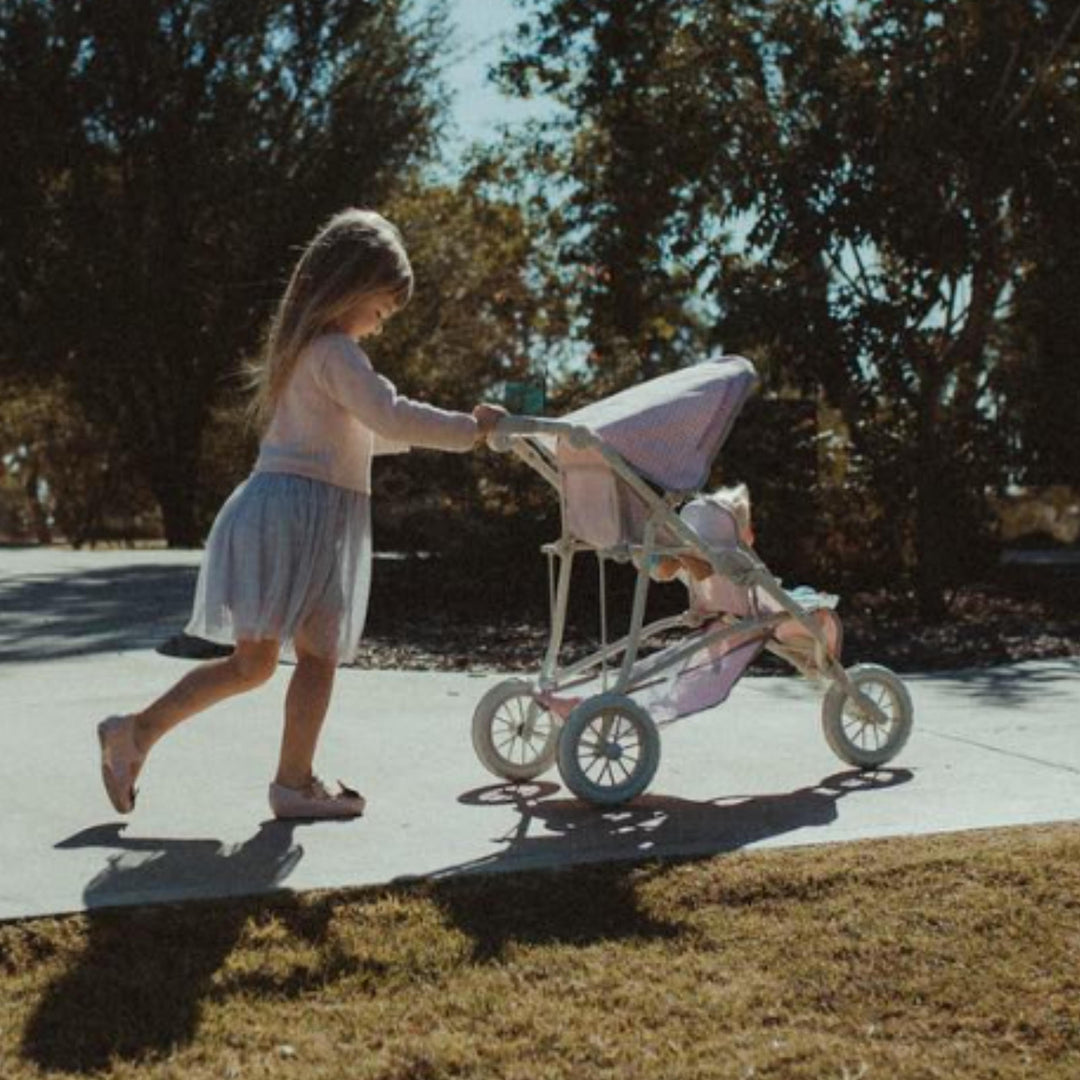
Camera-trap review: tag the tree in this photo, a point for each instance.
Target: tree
(1039, 390)
(892, 220)
(627, 161)
(63, 474)
(484, 311)
(162, 162)
(883, 161)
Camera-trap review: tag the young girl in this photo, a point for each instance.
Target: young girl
(288, 560)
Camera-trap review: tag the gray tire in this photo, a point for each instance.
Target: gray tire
(513, 736)
(609, 750)
(868, 738)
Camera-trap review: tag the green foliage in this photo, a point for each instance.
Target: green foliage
(852, 189)
(892, 221)
(630, 159)
(1038, 386)
(61, 476)
(480, 315)
(164, 160)
(878, 202)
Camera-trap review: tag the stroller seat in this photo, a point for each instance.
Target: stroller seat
(718, 596)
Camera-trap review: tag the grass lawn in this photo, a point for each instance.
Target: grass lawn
(948, 956)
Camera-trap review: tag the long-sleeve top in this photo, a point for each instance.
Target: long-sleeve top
(336, 412)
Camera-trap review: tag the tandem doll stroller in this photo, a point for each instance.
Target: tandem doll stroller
(628, 471)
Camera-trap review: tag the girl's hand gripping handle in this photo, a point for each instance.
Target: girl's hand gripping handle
(510, 427)
(486, 417)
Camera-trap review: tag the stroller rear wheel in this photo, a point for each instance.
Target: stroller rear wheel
(513, 735)
(609, 750)
(869, 733)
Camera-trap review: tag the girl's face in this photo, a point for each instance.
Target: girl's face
(367, 318)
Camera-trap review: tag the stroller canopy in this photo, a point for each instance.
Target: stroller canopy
(671, 428)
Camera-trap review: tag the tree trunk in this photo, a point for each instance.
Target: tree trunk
(39, 518)
(930, 580)
(175, 487)
(931, 504)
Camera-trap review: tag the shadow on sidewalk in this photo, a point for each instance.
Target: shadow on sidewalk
(149, 870)
(138, 986)
(137, 990)
(1009, 686)
(50, 616)
(599, 901)
(558, 831)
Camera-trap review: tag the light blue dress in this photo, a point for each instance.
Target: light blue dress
(287, 556)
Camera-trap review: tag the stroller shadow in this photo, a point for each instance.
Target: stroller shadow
(613, 850)
(559, 831)
(137, 988)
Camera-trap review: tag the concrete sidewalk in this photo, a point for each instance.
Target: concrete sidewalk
(991, 747)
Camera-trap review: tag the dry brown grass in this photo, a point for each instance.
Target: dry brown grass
(950, 956)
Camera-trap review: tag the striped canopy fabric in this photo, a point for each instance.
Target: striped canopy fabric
(671, 428)
(668, 430)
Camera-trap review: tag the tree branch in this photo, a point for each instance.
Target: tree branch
(1021, 106)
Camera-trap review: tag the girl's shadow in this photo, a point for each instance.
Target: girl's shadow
(143, 871)
(137, 987)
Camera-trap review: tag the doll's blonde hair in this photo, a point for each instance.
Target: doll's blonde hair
(357, 253)
(737, 500)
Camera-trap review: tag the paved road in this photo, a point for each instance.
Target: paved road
(77, 634)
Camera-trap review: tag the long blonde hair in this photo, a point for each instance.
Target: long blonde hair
(357, 253)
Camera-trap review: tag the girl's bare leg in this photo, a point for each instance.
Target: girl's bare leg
(250, 665)
(306, 702)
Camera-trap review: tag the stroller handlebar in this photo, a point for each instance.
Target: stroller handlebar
(511, 427)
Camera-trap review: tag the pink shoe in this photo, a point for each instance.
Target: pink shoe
(315, 801)
(121, 760)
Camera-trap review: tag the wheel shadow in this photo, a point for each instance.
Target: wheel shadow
(612, 851)
(559, 831)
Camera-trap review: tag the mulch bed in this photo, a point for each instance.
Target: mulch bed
(1019, 617)
(420, 620)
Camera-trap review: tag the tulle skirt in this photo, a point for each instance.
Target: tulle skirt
(288, 557)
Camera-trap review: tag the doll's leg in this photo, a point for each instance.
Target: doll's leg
(250, 665)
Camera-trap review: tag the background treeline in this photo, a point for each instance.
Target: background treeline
(877, 202)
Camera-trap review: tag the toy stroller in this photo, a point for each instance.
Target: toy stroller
(629, 471)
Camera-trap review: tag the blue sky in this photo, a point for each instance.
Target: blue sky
(482, 27)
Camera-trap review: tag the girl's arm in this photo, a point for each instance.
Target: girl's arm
(345, 373)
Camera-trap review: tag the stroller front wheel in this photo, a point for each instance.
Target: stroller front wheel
(513, 735)
(871, 732)
(609, 750)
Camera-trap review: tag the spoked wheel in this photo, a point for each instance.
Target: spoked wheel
(872, 732)
(609, 750)
(513, 736)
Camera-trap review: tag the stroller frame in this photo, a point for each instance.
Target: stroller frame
(743, 567)
(870, 694)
